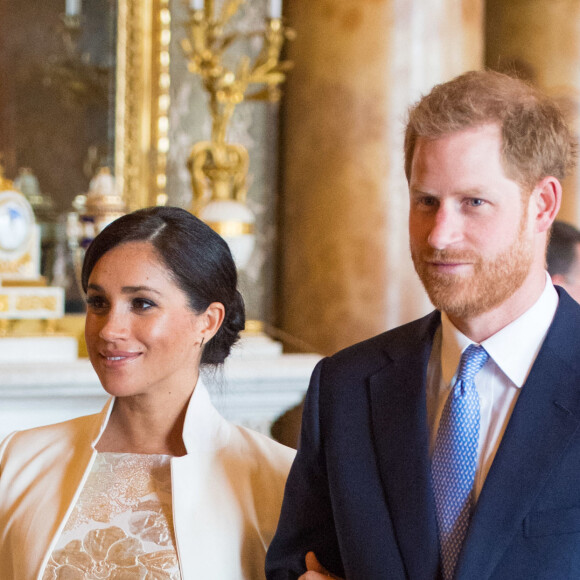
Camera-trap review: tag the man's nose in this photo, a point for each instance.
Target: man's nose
(446, 229)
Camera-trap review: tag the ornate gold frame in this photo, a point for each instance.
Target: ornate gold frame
(142, 101)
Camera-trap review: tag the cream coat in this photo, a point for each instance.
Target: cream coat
(227, 492)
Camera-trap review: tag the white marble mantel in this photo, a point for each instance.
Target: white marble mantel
(251, 389)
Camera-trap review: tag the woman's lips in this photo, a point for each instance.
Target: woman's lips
(119, 358)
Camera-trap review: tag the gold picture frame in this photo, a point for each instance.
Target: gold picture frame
(142, 101)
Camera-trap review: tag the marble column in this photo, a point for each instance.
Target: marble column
(540, 41)
(345, 268)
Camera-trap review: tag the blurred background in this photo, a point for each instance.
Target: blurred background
(108, 84)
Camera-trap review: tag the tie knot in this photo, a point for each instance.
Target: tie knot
(472, 359)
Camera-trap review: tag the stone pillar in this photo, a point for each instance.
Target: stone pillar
(345, 270)
(540, 40)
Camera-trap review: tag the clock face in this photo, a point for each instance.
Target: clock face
(16, 222)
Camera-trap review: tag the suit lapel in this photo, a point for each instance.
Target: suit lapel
(544, 419)
(399, 419)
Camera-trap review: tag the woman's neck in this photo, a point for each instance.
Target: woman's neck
(139, 425)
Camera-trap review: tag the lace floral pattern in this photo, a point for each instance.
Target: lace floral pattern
(122, 526)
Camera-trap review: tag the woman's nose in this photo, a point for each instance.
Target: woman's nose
(115, 326)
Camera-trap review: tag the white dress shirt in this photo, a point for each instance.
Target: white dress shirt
(512, 352)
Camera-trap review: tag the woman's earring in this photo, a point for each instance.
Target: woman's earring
(201, 343)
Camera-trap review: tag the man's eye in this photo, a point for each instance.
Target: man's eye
(475, 202)
(426, 201)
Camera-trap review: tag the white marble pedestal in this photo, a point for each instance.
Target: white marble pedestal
(38, 349)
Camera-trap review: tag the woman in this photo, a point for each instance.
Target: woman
(158, 485)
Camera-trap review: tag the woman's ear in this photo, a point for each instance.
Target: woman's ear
(211, 320)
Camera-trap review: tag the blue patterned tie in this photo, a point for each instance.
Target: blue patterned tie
(455, 458)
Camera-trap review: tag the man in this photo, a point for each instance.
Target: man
(404, 472)
(564, 258)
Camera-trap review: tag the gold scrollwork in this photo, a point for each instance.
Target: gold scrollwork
(4, 303)
(13, 266)
(31, 302)
(218, 170)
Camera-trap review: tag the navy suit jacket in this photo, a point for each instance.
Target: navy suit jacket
(359, 493)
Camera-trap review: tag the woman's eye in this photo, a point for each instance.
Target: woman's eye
(141, 304)
(96, 303)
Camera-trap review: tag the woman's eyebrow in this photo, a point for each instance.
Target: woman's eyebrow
(134, 289)
(126, 289)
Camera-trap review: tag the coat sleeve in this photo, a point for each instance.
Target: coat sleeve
(306, 521)
(3, 447)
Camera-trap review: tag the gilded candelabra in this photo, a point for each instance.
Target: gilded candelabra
(218, 168)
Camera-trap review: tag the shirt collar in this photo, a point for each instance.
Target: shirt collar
(514, 348)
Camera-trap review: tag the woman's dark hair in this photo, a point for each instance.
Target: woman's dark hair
(199, 260)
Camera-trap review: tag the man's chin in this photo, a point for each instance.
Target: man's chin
(447, 287)
(455, 298)
(452, 307)
(460, 310)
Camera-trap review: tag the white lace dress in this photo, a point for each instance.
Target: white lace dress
(121, 527)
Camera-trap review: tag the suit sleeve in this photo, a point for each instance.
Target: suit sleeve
(306, 521)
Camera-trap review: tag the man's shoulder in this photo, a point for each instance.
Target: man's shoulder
(564, 332)
(567, 306)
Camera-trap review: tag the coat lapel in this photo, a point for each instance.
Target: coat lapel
(204, 517)
(546, 416)
(399, 418)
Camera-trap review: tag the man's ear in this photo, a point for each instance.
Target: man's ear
(545, 202)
